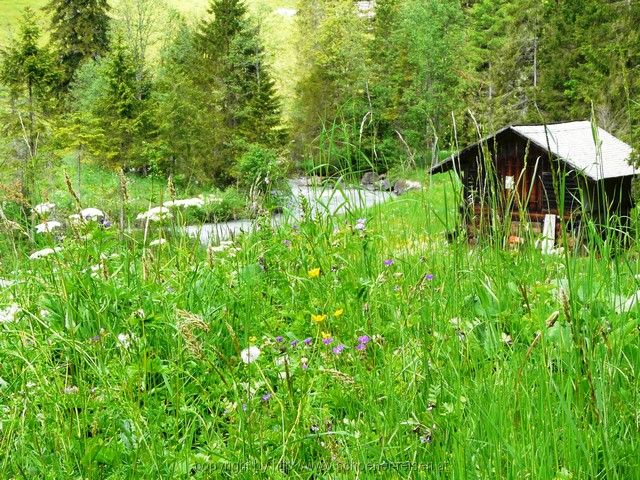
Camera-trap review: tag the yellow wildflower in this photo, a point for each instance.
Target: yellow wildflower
(326, 335)
(314, 273)
(338, 313)
(318, 318)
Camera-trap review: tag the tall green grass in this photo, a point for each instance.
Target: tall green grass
(480, 362)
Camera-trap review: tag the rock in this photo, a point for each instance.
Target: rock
(369, 179)
(403, 186)
(383, 185)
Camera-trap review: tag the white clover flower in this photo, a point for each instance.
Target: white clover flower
(47, 227)
(44, 313)
(250, 354)
(157, 241)
(92, 214)
(155, 214)
(8, 315)
(185, 203)
(44, 252)
(44, 208)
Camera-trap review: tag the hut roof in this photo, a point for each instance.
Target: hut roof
(587, 149)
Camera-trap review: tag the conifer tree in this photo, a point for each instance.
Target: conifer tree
(233, 71)
(29, 73)
(79, 31)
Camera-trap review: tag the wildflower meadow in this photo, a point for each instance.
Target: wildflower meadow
(345, 346)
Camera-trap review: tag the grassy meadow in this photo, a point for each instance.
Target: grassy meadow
(332, 347)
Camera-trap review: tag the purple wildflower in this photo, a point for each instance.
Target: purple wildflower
(389, 262)
(327, 341)
(428, 276)
(279, 338)
(287, 243)
(307, 341)
(294, 343)
(361, 346)
(244, 407)
(339, 349)
(364, 339)
(305, 365)
(266, 397)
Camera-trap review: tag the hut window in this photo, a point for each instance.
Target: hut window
(509, 182)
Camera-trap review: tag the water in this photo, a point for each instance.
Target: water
(321, 201)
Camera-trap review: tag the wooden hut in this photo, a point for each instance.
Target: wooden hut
(536, 175)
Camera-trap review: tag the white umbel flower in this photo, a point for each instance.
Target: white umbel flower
(157, 241)
(250, 354)
(44, 208)
(94, 214)
(185, 202)
(155, 214)
(75, 218)
(48, 227)
(44, 253)
(8, 315)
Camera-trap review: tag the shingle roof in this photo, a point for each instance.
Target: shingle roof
(594, 152)
(604, 156)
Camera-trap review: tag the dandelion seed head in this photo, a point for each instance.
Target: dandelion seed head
(250, 354)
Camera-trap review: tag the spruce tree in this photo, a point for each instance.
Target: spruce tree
(29, 74)
(234, 73)
(79, 31)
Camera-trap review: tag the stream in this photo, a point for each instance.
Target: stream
(322, 200)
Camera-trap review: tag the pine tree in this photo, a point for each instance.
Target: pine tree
(79, 31)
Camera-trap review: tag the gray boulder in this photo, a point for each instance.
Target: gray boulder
(403, 186)
(369, 179)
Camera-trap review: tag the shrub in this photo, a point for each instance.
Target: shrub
(261, 169)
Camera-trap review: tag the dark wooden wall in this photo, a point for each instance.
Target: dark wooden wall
(531, 169)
